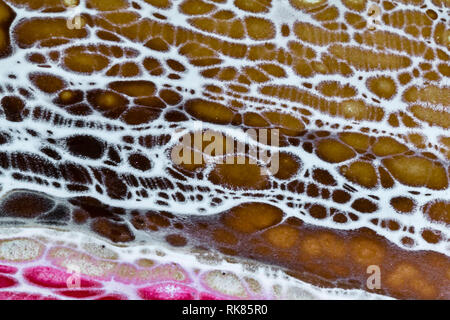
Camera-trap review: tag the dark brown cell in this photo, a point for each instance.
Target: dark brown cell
(432, 14)
(317, 211)
(392, 225)
(294, 221)
(176, 240)
(77, 188)
(438, 210)
(116, 232)
(79, 216)
(47, 83)
(312, 190)
(51, 153)
(115, 187)
(139, 162)
(364, 205)
(340, 218)
(139, 222)
(175, 65)
(79, 110)
(175, 116)
(285, 30)
(25, 205)
(4, 138)
(308, 147)
(13, 107)
(128, 139)
(153, 66)
(157, 44)
(113, 155)
(402, 204)
(385, 178)
(431, 236)
(341, 196)
(140, 115)
(75, 173)
(150, 141)
(209, 111)
(170, 97)
(158, 219)
(324, 177)
(104, 35)
(91, 207)
(36, 58)
(85, 146)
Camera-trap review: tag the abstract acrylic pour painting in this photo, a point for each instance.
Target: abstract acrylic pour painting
(224, 149)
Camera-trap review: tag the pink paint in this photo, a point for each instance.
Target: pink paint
(113, 297)
(80, 294)
(6, 282)
(9, 295)
(167, 291)
(208, 296)
(55, 278)
(7, 269)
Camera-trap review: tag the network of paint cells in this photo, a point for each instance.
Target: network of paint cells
(69, 265)
(92, 115)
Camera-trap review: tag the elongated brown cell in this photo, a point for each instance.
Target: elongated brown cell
(33, 31)
(246, 175)
(26, 205)
(209, 111)
(47, 82)
(324, 256)
(417, 171)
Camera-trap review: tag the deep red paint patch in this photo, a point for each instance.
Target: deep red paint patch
(207, 296)
(113, 297)
(80, 294)
(6, 282)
